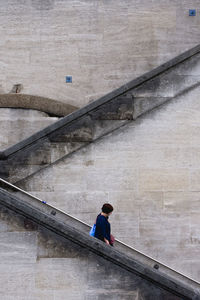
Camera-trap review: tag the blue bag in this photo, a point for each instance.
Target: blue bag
(92, 230)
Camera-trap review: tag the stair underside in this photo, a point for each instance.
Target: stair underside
(101, 117)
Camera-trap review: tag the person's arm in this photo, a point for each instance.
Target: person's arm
(106, 241)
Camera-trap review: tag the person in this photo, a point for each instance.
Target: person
(103, 228)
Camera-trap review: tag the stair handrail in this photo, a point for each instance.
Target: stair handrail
(89, 226)
(41, 134)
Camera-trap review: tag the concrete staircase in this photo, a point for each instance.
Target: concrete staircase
(158, 281)
(82, 127)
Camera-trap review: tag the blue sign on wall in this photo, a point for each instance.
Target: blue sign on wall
(192, 12)
(68, 79)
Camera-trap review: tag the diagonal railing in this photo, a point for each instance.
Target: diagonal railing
(76, 223)
(101, 117)
(40, 135)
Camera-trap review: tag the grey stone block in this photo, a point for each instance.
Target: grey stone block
(161, 281)
(160, 83)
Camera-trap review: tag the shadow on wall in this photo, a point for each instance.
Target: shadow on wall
(47, 105)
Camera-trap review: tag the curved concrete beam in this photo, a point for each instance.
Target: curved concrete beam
(43, 104)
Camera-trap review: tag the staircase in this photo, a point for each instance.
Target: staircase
(79, 129)
(137, 264)
(82, 127)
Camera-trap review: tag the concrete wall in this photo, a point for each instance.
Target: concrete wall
(102, 44)
(37, 264)
(149, 171)
(18, 124)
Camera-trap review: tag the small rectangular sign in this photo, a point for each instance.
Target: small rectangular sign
(192, 12)
(68, 79)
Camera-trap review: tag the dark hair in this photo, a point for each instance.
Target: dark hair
(107, 208)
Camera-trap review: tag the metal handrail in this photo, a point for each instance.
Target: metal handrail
(124, 244)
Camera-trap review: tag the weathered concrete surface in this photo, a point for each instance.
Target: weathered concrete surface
(50, 106)
(104, 115)
(153, 166)
(18, 124)
(149, 171)
(145, 282)
(69, 220)
(102, 44)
